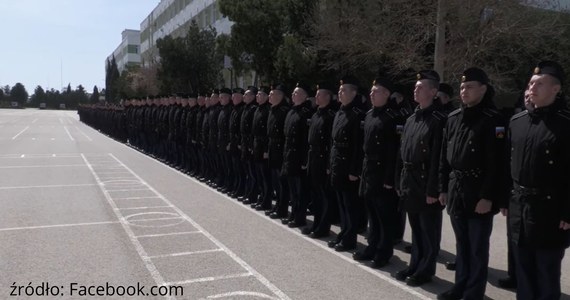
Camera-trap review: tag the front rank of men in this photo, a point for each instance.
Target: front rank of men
(274, 149)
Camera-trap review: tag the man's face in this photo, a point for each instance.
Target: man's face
(472, 92)
(237, 98)
(322, 98)
(184, 102)
(261, 97)
(346, 94)
(443, 97)
(275, 97)
(299, 96)
(424, 92)
(543, 89)
(379, 96)
(248, 97)
(225, 99)
(201, 100)
(214, 99)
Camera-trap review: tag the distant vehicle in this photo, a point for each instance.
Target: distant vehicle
(62, 106)
(42, 105)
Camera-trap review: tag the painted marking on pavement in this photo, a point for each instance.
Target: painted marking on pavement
(68, 134)
(83, 133)
(206, 279)
(187, 253)
(167, 234)
(17, 135)
(58, 225)
(46, 186)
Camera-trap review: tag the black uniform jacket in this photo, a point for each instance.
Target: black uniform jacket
(275, 123)
(380, 150)
(295, 131)
(346, 150)
(320, 141)
(419, 162)
(540, 169)
(472, 159)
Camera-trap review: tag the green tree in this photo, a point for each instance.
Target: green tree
(190, 63)
(38, 97)
(1, 94)
(94, 96)
(111, 80)
(19, 94)
(79, 96)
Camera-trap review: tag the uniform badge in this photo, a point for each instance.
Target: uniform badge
(537, 70)
(399, 129)
(499, 132)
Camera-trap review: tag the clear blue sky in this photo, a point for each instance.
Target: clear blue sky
(39, 36)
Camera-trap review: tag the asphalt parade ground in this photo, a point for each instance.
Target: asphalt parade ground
(81, 213)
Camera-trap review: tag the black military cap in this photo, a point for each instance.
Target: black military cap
(329, 86)
(349, 80)
(264, 89)
(386, 83)
(428, 74)
(305, 87)
(475, 74)
(225, 91)
(191, 95)
(446, 88)
(238, 90)
(551, 68)
(280, 87)
(216, 91)
(203, 94)
(252, 89)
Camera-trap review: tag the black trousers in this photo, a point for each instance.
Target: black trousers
(538, 272)
(299, 198)
(383, 219)
(264, 183)
(350, 210)
(250, 181)
(323, 205)
(425, 245)
(279, 184)
(472, 236)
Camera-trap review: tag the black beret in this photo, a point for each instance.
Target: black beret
(329, 86)
(349, 80)
(280, 87)
(264, 89)
(238, 90)
(475, 74)
(446, 88)
(551, 68)
(428, 74)
(306, 88)
(216, 91)
(225, 91)
(252, 89)
(386, 83)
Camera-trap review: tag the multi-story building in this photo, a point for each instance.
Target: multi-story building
(128, 51)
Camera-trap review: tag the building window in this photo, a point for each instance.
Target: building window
(133, 49)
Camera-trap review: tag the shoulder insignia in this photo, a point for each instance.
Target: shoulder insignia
(490, 112)
(309, 122)
(455, 112)
(521, 114)
(399, 129)
(361, 124)
(500, 132)
(438, 115)
(391, 113)
(369, 111)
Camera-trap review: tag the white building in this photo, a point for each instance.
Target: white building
(128, 51)
(172, 17)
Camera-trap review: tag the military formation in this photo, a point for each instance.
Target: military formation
(366, 161)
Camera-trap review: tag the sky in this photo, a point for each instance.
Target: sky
(59, 42)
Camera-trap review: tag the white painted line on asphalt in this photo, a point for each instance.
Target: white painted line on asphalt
(138, 247)
(58, 225)
(46, 186)
(127, 190)
(206, 279)
(22, 156)
(53, 155)
(68, 134)
(187, 253)
(153, 219)
(231, 295)
(137, 198)
(172, 233)
(274, 289)
(17, 135)
(60, 121)
(34, 121)
(40, 166)
(38, 155)
(85, 135)
(144, 207)
(324, 247)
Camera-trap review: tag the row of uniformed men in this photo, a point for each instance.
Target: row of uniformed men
(458, 162)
